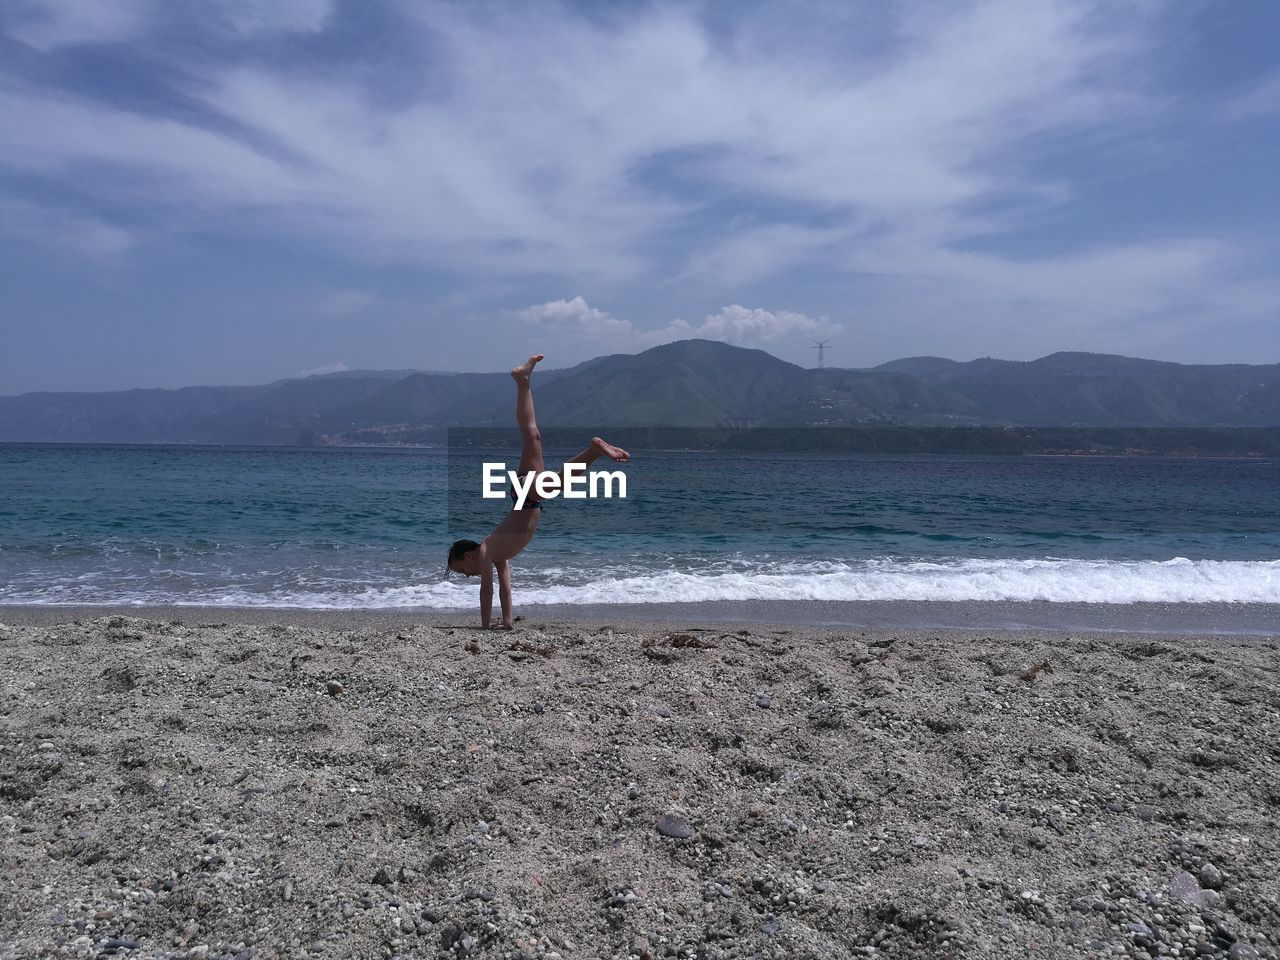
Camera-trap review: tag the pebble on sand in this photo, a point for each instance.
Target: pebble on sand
(669, 825)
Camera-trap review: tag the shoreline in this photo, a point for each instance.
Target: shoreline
(1175, 619)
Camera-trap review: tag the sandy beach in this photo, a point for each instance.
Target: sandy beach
(207, 784)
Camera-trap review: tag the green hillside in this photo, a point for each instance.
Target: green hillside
(691, 383)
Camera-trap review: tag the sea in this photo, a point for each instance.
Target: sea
(362, 528)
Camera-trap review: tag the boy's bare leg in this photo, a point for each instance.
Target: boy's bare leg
(599, 448)
(530, 438)
(516, 529)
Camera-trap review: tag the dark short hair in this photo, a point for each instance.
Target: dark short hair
(459, 548)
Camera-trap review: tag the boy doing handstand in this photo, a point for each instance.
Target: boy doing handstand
(516, 529)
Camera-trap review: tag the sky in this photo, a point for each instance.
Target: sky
(235, 192)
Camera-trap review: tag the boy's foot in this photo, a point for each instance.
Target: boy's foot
(609, 450)
(521, 373)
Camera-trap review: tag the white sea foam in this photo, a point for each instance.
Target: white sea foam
(1063, 581)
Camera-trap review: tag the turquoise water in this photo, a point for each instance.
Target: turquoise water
(369, 527)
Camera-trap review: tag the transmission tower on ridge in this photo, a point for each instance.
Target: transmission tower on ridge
(821, 346)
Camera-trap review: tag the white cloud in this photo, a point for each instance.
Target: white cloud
(738, 324)
(577, 321)
(1141, 299)
(1106, 282)
(49, 24)
(46, 26)
(274, 16)
(530, 163)
(639, 148)
(577, 318)
(81, 235)
(338, 367)
(155, 161)
(749, 254)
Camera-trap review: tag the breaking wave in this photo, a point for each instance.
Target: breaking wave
(1178, 580)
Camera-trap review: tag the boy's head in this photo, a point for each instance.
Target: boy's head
(458, 559)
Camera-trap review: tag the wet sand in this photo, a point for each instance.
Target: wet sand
(275, 784)
(1191, 619)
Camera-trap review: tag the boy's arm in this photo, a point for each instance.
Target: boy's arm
(486, 588)
(504, 591)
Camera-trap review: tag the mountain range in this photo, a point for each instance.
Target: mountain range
(690, 383)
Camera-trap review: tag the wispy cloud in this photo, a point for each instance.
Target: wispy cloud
(574, 321)
(252, 17)
(533, 159)
(63, 23)
(743, 325)
(891, 155)
(46, 26)
(59, 230)
(338, 367)
(577, 318)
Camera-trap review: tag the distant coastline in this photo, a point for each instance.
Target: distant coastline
(920, 404)
(1229, 442)
(1234, 443)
